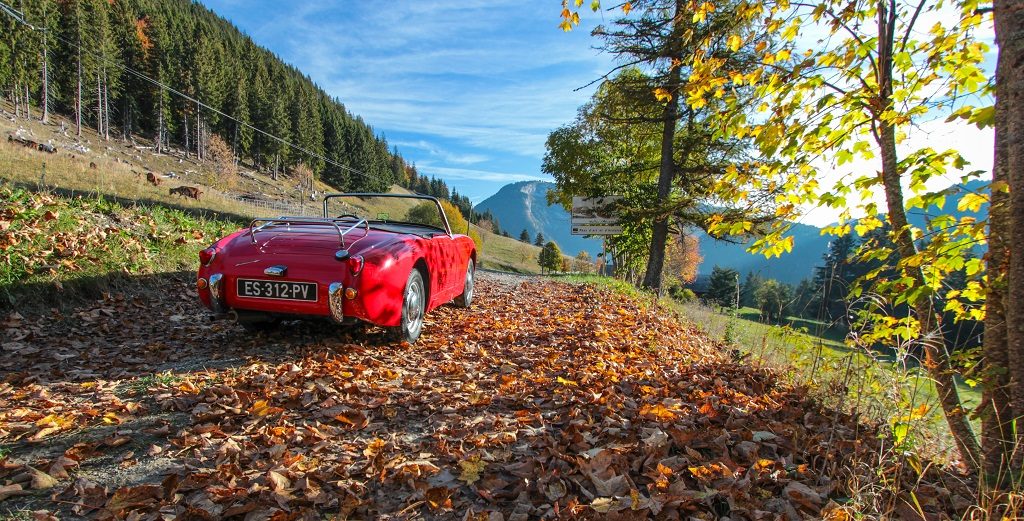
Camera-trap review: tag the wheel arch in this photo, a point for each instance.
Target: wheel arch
(421, 266)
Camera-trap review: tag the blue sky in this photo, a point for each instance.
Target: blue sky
(466, 90)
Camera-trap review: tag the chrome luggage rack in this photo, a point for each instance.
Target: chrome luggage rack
(290, 220)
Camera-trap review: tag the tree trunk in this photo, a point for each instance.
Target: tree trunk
(659, 234)
(996, 430)
(99, 106)
(188, 131)
(46, 83)
(199, 134)
(78, 98)
(106, 107)
(933, 343)
(1009, 22)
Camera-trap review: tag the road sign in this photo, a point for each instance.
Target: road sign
(595, 210)
(596, 229)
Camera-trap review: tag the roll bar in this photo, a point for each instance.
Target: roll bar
(289, 220)
(440, 210)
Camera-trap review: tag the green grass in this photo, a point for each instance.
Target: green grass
(56, 248)
(880, 387)
(142, 384)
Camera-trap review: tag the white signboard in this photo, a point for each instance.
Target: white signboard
(595, 215)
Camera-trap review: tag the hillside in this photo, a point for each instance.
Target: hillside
(121, 169)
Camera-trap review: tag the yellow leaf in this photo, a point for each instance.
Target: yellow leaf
(471, 469)
(563, 381)
(734, 42)
(627, 7)
(919, 412)
(662, 94)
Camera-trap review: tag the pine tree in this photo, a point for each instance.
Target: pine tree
(525, 236)
(723, 286)
(539, 241)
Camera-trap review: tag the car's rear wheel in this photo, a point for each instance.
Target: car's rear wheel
(466, 298)
(414, 304)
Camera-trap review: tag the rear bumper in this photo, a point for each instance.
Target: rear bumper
(220, 296)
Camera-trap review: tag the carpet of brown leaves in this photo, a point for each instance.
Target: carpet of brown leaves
(545, 400)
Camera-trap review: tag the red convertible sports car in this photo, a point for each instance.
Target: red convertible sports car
(356, 263)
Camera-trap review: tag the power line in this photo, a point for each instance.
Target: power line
(20, 18)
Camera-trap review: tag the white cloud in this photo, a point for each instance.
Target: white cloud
(444, 155)
(476, 175)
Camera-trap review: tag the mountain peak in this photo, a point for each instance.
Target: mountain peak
(524, 205)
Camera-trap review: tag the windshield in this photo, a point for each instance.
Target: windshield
(387, 208)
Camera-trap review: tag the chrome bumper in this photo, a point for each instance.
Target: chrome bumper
(336, 300)
(217, 293)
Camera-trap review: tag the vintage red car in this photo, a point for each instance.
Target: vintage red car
(358, 263)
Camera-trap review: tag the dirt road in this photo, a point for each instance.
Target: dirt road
(544, 399)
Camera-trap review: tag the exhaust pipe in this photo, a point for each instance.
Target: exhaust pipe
(248, 317)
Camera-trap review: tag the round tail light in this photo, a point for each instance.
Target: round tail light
(355, 264)
(206, 256)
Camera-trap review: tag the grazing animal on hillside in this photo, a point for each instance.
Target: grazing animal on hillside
(152, 178)
(22, 141)
(187, 191)
(92, 165)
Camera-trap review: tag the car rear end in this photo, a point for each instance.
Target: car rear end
(282, 269)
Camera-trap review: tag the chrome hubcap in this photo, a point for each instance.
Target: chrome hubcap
(414, 307)
(469, 282)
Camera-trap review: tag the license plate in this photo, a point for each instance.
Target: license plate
(277, 289)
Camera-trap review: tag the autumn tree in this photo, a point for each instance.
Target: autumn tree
(550, 257)
(635, 140)
(682, 258)
(223, 161)
(856, 92)
(303, 176)
(582, 263)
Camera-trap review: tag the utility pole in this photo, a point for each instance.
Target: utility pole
(736, 305)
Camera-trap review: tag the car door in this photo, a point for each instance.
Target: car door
(444, 261)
